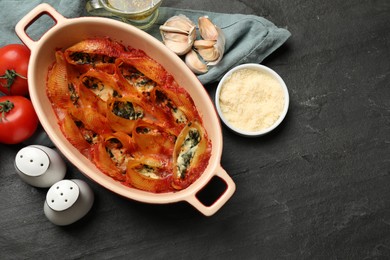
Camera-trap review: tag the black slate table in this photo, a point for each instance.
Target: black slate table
(318, 187)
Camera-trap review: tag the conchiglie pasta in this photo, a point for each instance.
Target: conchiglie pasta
(190, 155)
(127, 114)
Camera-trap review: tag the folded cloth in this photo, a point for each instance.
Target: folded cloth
(249, 38)
(11, 11)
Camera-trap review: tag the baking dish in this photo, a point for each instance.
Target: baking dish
(67, 32)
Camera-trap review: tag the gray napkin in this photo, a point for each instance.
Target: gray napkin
(11, 11)
(249, 38)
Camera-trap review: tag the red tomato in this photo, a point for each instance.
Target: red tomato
(18, 120)
(14, 60)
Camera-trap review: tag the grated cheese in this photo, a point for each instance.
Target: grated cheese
(251, 100)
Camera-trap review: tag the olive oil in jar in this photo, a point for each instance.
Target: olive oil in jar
(130, 6)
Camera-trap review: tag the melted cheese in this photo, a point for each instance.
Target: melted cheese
(179, 116)
(149, 172)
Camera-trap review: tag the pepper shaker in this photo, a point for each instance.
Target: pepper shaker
(67, 201)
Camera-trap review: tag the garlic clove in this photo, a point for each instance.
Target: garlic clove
(209, 54)
(206, 50)
(219, 46)
(194, 63)
(170, 29)
(201, 44)
(180, 22)
(207, 29)
(176, 37)
(180, 48)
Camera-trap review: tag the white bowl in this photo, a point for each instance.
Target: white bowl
(261, 69)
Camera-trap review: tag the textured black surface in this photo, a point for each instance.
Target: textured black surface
(318, 187)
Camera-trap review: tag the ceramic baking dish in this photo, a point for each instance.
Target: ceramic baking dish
(67, 32)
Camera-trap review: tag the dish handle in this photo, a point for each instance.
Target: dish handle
(22, 26)
(225, 196)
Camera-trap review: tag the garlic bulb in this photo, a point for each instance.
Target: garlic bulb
(212, 48)
(178, 34)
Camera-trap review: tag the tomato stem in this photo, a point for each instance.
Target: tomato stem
(10, 76)
(5, 107)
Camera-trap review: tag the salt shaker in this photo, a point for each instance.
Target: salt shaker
(67, 201)
(39, 166)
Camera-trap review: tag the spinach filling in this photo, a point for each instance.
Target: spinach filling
(188, 150)
(142, 130)
(74, 97)
(116, 94)
(88, 135)
(87, 58)
(179, 116)
(148, 171)
(117, 153)
(114, 143)
(140, 81)
(93, 83)
(126, 110)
